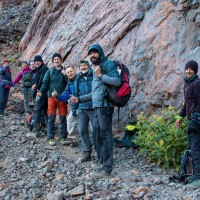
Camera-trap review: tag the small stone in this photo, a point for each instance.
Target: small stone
(77, 191)
(134, 172)
(55, 196)
(139, 189)
(59, 177)
(22, 159)
(2, 186)
(88, 197)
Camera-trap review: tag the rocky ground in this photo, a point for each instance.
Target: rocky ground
(31, 169)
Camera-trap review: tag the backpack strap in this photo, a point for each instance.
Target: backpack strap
(118, 115)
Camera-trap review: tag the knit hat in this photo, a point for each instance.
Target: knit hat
(24, 62)
(193, 65)
(56, 55)
(85, 62)
(5, 61)
(38, 58)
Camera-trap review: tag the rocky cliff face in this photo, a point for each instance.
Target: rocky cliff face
(153, 38)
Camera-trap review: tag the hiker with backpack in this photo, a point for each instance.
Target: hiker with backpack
(105, 77)
(83, 86)
(54, 82)
(5, 85)
(40, 103)
(27, 81)
(191, 110)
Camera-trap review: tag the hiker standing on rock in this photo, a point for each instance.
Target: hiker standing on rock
(27, 81)
(83, 86)
(40, 107)
(191, 109)
(105, 75)
(5, 84)
(54, 83)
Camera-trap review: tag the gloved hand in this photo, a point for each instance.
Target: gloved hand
(74, 114)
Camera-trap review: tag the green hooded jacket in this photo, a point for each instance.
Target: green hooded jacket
(100, 86)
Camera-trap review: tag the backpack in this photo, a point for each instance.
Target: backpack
(27, 78)
(119, 96)
(128, 137)
(186, 168)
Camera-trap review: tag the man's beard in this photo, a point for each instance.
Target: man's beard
(94, 60)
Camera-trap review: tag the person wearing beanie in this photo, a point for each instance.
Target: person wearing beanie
(5, 84)
(192, 65)
(38, 58)
(83, 86)
(40, 107)
(27, 81)
(56, 55)
(54, 82)
(191, 109)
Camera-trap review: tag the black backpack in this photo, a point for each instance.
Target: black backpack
(119, 96)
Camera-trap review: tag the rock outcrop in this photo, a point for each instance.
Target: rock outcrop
(14, 19)
(153, 38)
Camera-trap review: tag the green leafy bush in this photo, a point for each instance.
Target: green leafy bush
(160, 140)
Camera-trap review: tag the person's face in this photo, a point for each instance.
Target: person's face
(38, 63)
(6, 64)
(24, 64)
(71, 73)
(84, 68)
(189, 72)
(32, 65)
(57, 62)
(94, 56)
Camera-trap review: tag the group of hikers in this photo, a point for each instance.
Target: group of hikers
(87, 92)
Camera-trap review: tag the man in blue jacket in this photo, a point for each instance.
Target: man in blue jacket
(65, 96)
(83, 86)
(105, 76)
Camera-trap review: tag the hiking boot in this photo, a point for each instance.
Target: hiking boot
(86, 156)
(102, 174)
(33, 134)
(52, 142)
(189, 179)
(65, 142)
(194, 185)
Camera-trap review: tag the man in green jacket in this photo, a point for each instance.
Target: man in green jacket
(54, 82)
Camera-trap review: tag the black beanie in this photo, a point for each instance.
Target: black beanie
(193, 65)
(56, 55)
(38, 58)
(86, 62)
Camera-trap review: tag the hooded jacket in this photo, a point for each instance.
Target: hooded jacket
(101, 86)
(191, 97)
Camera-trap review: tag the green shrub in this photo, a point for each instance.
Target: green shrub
(160, 140)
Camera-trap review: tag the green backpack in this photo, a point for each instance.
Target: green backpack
(27, 78)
